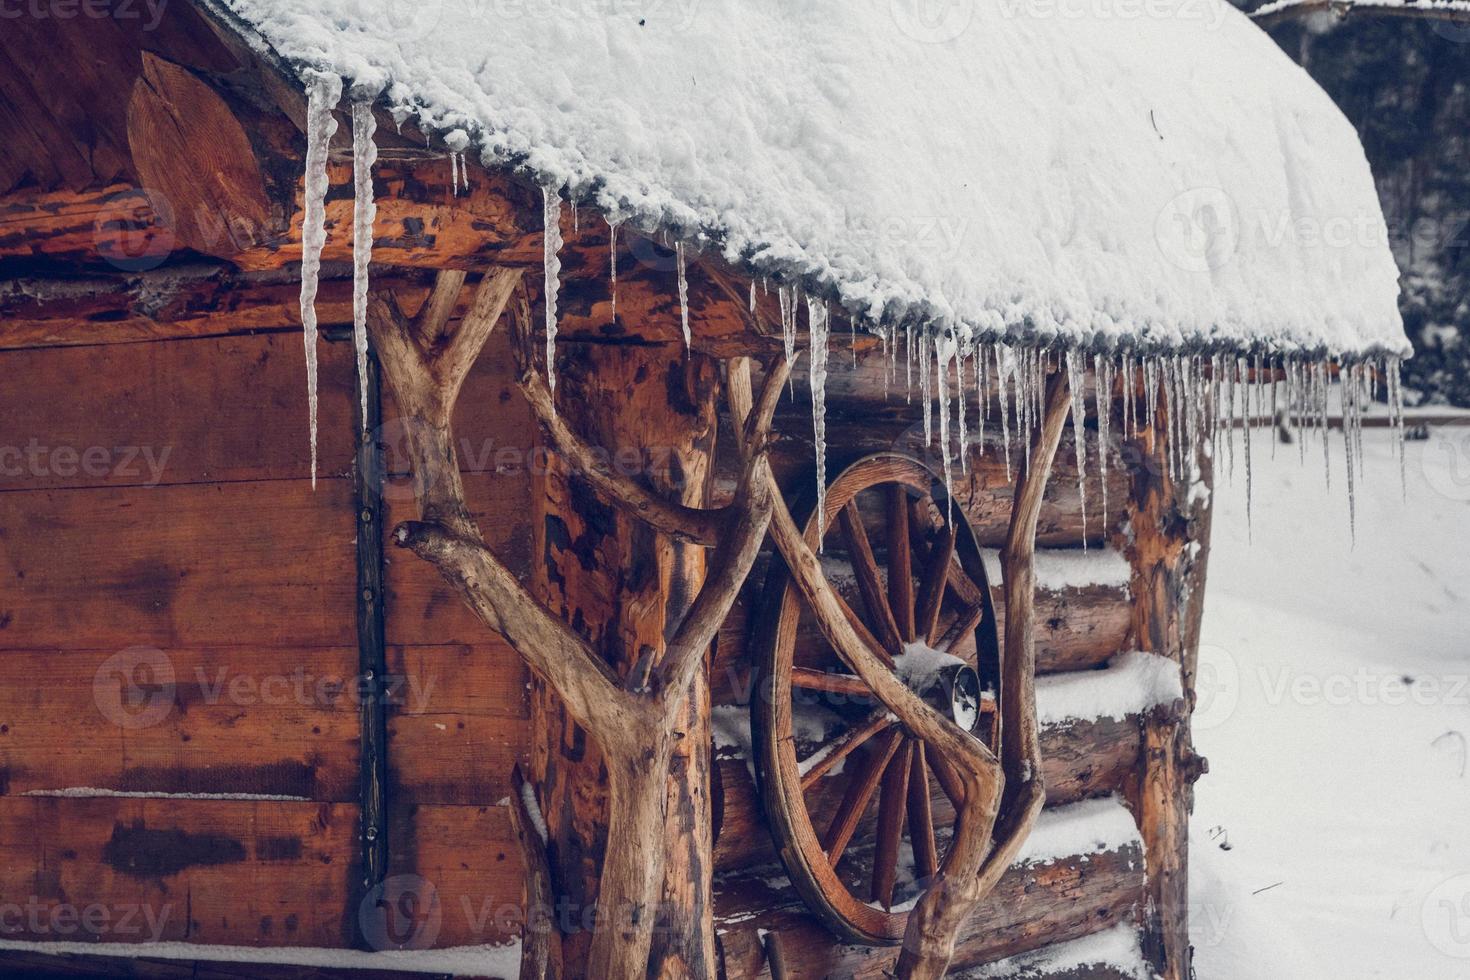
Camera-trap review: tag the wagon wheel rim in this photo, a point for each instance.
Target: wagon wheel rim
(929, 587)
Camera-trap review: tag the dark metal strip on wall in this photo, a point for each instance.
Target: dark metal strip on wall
(371, 646)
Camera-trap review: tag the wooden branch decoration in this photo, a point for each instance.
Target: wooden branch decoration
(541, 957)
(1022, 746)
(632, 720)
(701, 527)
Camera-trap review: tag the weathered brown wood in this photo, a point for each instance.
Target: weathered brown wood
(199, 411)
(1031, 906)
(892, 806)
(541, 956)
(920, 814)
(206, 871)
(1168, 586)
(267, 721)
(869, 583)
(193, 156)
(900, 565)
(119, 567)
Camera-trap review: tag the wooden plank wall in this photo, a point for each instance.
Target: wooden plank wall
(219, 562)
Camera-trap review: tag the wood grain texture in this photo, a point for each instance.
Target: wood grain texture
(206, 871)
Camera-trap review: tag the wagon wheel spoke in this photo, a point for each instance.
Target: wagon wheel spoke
(845, 744)
(865, 567)
(948, 780)
(921, 815)
(964, 624)
(891, 806)
(900, 563)
(931, 590)
(820, 680)
(859, 794)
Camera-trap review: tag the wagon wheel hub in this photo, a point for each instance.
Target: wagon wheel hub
(950, 685)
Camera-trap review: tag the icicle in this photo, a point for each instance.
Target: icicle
(908, 363)
(364, 210)
(1076, 376)
(982, 394)
(1244, 369)
(1349, 381)
(1103, 371)
(1396, 418)
(1129, 380)
(787, 296)
(1322, 393)
(817, 314)
(576, 221)
(454, 174)
(1024, 402)
(852, 337)
(925, 387)
(943, 352)
(1002, 385)
(612, 249)
(752, 295)
(959, 401)
(464, 173)
(683, 291)
(324, 91)
(551, 266)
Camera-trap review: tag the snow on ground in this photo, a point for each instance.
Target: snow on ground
(1334, 710)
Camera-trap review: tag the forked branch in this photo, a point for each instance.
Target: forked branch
(691, 524)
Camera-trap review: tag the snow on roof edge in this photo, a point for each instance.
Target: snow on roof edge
(653, 210)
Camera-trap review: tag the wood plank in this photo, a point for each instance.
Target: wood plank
(467, 861)
(230, 720)
(194, 411)
(454, 758)
(235, 564)
(207, 871)
(1031, 906)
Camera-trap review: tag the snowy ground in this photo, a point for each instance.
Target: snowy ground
(1334, 710)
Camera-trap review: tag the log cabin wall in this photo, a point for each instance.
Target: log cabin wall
(230, 567)
(166, 523)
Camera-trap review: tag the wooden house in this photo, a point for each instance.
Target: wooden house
(516, 638)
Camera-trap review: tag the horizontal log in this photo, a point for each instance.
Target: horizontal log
(197, 411)
(1076, 628)
(55, 966)
(1081, 759)
(234, 564)
(175, 303)
(206, 871)
(230, 720)
(1032, 905)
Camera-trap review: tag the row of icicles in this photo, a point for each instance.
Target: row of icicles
(1201, 398)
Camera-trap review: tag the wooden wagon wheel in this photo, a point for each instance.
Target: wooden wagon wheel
(909, 569)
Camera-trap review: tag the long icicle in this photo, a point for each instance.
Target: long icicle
(364, 211)
(816, 312)
(323, 92)
(1076, 375)
(551, 267)
(683, 290)
(612, 249)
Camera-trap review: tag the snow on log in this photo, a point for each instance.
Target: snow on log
(1113, 954)
(1131, 684)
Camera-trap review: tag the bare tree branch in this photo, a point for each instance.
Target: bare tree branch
(690, 524)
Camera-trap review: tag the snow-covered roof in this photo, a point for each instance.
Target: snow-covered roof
(1154, 173)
